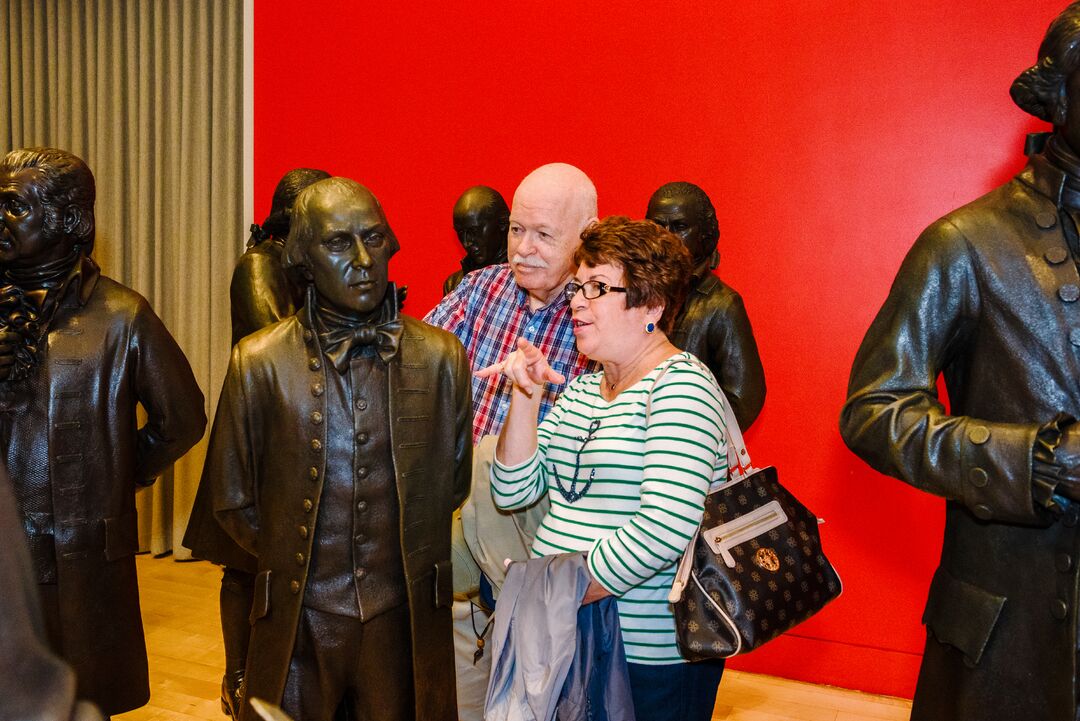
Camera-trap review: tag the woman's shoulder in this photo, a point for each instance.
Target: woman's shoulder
(683, 367)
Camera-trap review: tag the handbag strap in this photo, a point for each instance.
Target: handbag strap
(738, 466)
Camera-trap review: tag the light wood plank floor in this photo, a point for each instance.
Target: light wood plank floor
(180, 613)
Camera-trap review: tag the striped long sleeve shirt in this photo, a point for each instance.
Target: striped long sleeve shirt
(631, 494)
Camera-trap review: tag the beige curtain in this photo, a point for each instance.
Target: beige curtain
(149, 93)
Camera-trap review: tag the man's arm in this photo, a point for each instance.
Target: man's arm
(735, 362)
(167, 390)
(229, 469)
(449, 314)
(462, 426)
(893, 418)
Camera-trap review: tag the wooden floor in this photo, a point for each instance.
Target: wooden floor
(180, 614)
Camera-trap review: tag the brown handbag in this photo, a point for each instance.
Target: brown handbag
(754, 569)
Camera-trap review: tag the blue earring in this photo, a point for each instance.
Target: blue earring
(650, 327)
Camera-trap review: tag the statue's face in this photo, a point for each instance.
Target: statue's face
(1071, 130)
(349, 252)
(683, 216)
(24, 240)
(479, 230)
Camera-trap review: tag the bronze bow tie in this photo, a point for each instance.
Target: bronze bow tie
(337, 344)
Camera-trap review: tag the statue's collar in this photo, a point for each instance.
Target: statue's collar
(1055, 173)
(80, 274)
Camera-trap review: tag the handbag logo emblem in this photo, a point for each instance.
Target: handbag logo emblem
(766, 558)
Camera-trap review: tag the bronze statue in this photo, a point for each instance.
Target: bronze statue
(481, 221)
(80, 352)
(987, 297)
(261, 293)
(713, 324)
(341, 446)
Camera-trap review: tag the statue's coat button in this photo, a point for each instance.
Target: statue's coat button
(300, 559)
(316, 417)
(303, 531)
(1046, 219)
(317, 389)
(978, 477)
(314, 473)
(308, 505)
(1069, 293)
(1063, 562)
(314, 364)
(979, 435)
(294, 587)
(1057, 255)
(982, 512)
(1059, 609)
(316, 444)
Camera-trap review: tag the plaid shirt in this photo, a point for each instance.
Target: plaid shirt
(488, 312)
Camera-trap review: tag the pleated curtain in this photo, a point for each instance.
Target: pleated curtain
(149, 93)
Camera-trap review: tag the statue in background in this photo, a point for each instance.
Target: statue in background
(262, 292)
(341, 447)
(713, 324)
(481, 221)
(988, 298)
(78, 354)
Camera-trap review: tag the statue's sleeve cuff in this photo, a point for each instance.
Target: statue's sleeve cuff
(1046, 471)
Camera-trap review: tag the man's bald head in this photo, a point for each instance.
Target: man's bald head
(552, 205)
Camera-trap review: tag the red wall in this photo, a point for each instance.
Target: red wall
(827, 132)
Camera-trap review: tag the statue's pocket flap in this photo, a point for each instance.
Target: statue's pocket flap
(961, 614)
(260, 604)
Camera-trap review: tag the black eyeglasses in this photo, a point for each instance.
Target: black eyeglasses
(591, 289)
(572, 494)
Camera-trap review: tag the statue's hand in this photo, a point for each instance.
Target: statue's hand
(9, 342)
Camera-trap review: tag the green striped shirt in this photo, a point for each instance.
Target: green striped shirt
(642, 488)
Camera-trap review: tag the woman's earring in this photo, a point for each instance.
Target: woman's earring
(650, 327)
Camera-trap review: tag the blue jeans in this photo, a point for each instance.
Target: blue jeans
(675, 692)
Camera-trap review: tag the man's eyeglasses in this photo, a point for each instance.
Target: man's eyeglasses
(591, 289)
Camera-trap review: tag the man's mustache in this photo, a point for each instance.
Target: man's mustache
(529, 262)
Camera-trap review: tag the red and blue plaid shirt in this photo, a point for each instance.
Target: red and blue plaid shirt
(488, 312)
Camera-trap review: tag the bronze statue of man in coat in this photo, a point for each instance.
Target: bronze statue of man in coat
(78, 354)
(712, 324)
(341, 446)
(989, 298)
(481, 221)
(261, 293)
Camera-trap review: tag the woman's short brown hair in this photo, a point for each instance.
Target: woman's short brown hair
(656, 265)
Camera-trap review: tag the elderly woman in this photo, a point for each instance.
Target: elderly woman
(626, 456)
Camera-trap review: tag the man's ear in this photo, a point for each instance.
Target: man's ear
(72, 219)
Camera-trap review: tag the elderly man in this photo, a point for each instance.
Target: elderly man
(261, 293)
(713, 324)
(481, 220)
(987, 297)
(339, 452)
(79, 354)
(488, 312)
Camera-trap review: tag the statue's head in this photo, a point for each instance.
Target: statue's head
(481, 219)
(46, 207)
(1050, 89)
(342, 243)
(290, 185)
(685, 210)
